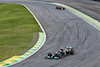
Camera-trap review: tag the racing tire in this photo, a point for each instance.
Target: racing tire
(56, 7)
(73, 52)
(60, 57)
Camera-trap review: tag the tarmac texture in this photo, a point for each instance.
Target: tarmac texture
(64, 28)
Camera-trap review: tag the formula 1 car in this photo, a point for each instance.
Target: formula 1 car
(61, 53)
(60, 8)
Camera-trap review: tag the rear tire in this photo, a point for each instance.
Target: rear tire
(73, 52)
(56, 7)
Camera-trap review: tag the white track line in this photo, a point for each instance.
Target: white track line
(78, 15)
(42, 42)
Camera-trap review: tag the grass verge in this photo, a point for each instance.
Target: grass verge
(17, 29)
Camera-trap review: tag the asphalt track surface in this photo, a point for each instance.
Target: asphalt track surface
(64, 28)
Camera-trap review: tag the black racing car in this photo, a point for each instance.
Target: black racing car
(61, 53)
(60, 8)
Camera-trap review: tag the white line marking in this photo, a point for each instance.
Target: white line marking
(42, 42)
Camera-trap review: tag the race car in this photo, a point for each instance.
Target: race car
(60, 8)
(67, 50)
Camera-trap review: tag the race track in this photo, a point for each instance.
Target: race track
(64, 28)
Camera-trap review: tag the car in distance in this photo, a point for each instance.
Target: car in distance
(60, 8)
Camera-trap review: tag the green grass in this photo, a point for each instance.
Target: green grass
(17, 27)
